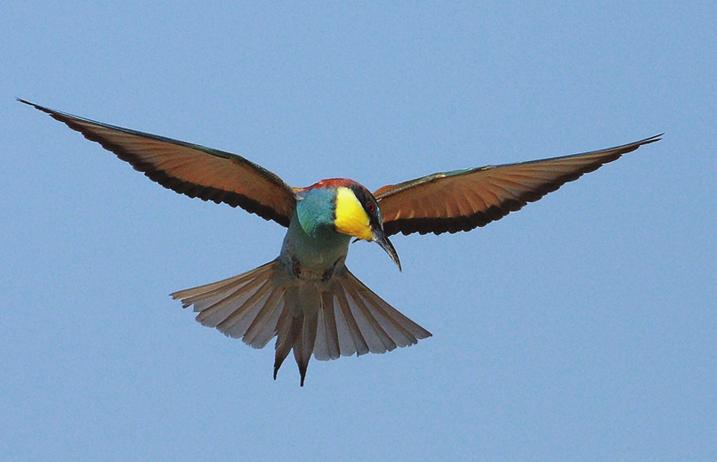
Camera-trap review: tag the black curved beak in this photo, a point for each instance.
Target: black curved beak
(381, 239)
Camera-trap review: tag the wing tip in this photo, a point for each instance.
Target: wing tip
(44, 109)
(29, 103)
(651, 139)
(637, 144)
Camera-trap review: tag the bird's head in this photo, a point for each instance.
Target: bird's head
(357, 214)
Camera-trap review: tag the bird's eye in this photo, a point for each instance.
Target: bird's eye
(371, 208)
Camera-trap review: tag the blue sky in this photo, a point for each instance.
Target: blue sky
(580, 328)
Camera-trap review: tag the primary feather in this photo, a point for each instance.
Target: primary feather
(191, 169)
(464, 199)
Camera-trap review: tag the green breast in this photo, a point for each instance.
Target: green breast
(312, 239)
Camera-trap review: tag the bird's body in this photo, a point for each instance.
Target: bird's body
(327, 215)
(306, 297)
(312, 242)
(315, 250)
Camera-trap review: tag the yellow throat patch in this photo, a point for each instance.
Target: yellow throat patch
(351, 218)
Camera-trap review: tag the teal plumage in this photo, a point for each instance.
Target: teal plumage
(307, 298)
(312, 240)
(316, 209)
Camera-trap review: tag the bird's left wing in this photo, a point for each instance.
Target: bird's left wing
(464, 199)
(190, 169)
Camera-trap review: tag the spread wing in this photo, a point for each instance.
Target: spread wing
(190, 169)
(464, 199)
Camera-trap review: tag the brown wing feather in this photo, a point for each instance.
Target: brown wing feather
(464, 199)
(190, 169)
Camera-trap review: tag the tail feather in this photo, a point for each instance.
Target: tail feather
(304, 303)
(199, 293)
(326, 319)
(327, 337)
(376, 337)
(357, 337)
(304, 344)
(345, 338)
(287, 330)
(365, 322)
(263, 328)
(237, 323)
(401, 329)
(218, 309)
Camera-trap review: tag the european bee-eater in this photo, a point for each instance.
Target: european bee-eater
(306, 297)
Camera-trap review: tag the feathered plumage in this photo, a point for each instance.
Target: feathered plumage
(329, 319)
(307, 298)
(464, 199)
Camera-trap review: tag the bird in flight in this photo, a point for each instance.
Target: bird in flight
(307, 298)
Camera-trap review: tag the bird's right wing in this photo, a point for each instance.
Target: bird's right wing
(190, 169)
(464, 199)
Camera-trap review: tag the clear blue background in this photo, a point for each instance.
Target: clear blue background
(581, 328)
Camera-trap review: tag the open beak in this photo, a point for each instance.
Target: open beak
(381, 239)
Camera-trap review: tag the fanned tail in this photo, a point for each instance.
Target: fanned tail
(329, 319)
(246, 306)
(354, 320)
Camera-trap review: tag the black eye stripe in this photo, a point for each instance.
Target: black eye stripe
(369, 204)
(362, 196)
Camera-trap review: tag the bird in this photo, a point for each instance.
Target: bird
(307, 298)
